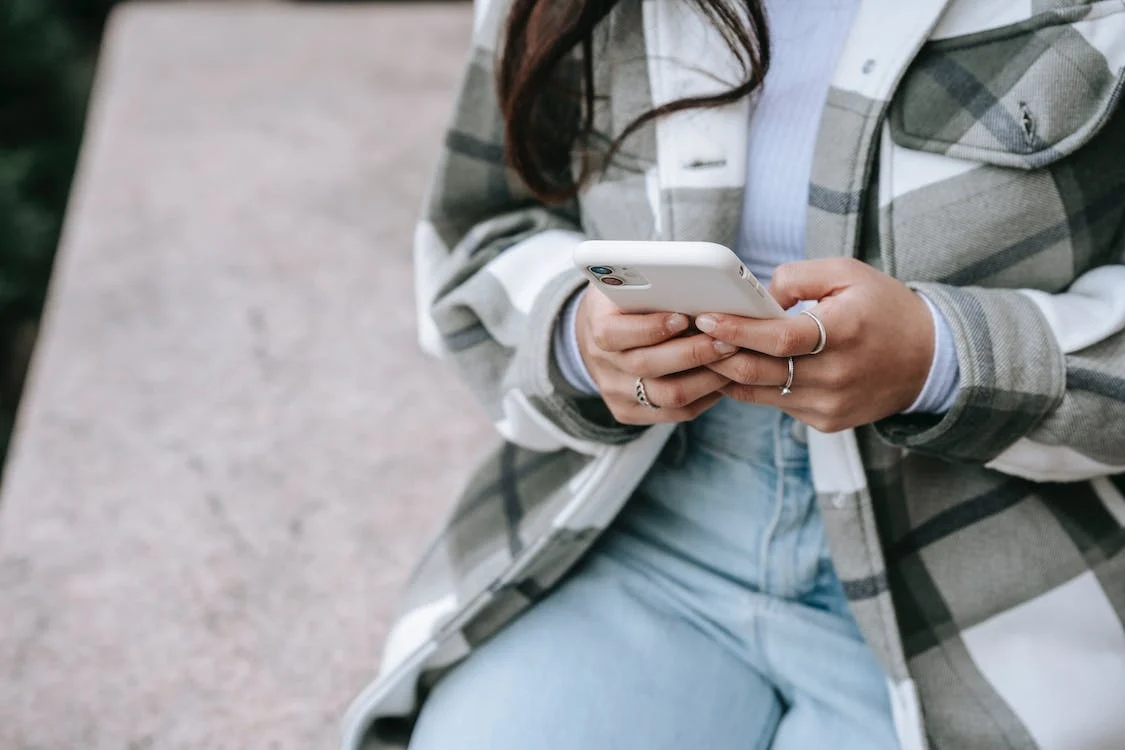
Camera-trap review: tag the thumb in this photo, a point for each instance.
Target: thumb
(812, 279)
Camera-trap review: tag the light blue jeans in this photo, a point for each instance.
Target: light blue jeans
(708, 616)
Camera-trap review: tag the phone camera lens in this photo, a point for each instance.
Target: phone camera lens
(601, 270)
(612, 280)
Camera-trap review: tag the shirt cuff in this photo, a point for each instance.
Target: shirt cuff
(940, 390)
(567, 354)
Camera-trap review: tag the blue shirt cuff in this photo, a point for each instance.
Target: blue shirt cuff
(567, 354)
(940, 390)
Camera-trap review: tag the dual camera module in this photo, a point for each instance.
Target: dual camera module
(605, 275)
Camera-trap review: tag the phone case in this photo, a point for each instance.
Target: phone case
(685, 277)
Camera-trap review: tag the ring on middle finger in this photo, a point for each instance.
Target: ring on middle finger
(788, 387)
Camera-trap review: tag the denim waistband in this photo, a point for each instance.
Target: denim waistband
(752, 433)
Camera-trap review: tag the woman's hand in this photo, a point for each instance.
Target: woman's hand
(879, 349)
(618, 348)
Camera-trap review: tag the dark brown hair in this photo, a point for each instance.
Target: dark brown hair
(540, 39)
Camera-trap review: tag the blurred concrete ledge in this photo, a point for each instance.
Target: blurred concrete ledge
(230, 448)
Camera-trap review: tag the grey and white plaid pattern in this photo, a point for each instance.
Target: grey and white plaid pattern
(972, 148)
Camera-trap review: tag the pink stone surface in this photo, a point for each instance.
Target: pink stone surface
(231, 448)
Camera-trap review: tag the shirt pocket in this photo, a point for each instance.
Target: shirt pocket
(1001, 159)
(1022, 95)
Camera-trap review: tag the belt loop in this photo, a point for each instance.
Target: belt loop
(800, 432)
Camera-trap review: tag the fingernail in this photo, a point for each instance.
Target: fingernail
(723, 347)
(676, 323)
(706, 323)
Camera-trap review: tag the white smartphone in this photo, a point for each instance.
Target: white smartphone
(685, 277)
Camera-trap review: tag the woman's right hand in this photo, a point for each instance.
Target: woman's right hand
(619, 347)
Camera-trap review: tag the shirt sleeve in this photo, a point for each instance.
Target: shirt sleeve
(568, 356)
(940, 390)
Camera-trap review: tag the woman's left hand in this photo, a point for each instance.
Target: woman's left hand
(879, 349)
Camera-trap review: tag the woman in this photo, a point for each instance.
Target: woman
(910, 538)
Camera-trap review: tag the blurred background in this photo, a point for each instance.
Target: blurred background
(228, 449)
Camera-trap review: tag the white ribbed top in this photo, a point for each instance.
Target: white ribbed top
(807, 37)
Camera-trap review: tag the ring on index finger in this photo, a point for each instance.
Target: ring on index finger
(823, 340)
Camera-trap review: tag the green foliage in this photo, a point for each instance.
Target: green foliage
(42, 98)
(46, 53)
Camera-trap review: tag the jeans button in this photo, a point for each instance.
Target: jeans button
(799, 431)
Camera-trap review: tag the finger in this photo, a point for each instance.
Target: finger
(767, 395)
(829, 370)
(808, 406)
(618, 332)
(642, 415)
(684, 389)
(791, 336)
(751, 368)
(676, 355)
(813, 279)
(670, 391)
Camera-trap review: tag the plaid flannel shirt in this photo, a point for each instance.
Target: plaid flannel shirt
(972, 148)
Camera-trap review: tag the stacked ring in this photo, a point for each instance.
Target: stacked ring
(821, 342)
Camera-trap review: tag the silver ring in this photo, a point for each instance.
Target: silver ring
(823, 340)
(787, 388)
(642, 397)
